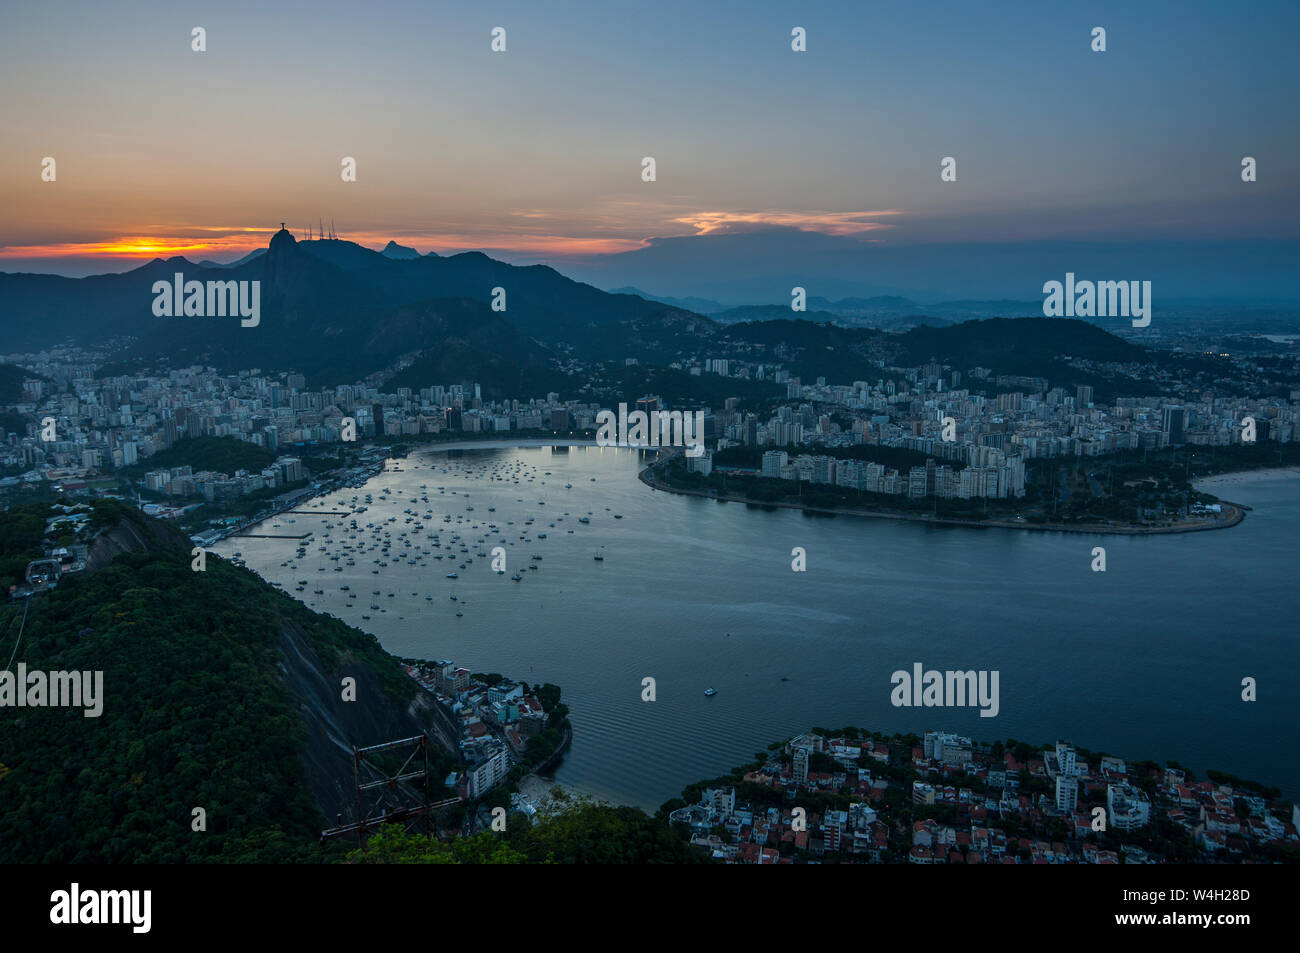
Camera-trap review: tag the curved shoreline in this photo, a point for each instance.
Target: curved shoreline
(1238, 514)
(1238, 511)
(526, 444)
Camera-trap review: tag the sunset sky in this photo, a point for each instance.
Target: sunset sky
(535, 154)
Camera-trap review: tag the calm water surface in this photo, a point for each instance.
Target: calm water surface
(1142, 661)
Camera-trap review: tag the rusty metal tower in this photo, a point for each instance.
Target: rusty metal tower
(387, 798)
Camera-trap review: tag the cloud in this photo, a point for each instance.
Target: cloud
(607, 228)
(829, 223)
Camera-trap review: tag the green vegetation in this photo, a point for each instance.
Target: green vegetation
(1129, 489)
(544, 744)
(11, 382)
(1017, 345)
(13, 423)
(1136, 487)
(807, 349)
(395, 846)
(195, 713)
(21, 531)
(219, 454)
(581, 833)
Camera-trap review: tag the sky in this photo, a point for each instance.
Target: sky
(535, 153)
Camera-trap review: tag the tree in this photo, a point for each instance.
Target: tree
(394, 846)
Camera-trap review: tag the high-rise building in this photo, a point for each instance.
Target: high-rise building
(916, 479)
(1067, 793)
(488, 772)
(801, 754)
(292, 469)
(773, 461)
(1174, 425)
(824, 470)
(1065, 759)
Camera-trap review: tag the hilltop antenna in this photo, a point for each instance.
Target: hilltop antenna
(322, 227)
(333, 234)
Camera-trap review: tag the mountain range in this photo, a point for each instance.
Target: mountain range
(339, 312)
(333, 310)
(762, 265)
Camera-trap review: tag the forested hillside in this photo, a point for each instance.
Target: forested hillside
(196, 713)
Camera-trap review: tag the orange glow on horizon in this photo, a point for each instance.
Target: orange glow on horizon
(128, 247)
(148, 248)
(230, 242)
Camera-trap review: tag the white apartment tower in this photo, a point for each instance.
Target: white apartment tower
(1067, 793)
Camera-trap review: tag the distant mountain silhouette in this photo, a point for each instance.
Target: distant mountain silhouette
(339, 312)
(394, 250)
(889, 313)
(256, 253)
(332, 309)
(698, 305)
(771, 312)
(1017, 346)
(1037, 347)
(764, 264)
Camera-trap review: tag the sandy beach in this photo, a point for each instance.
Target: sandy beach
(540, 792)
(1221, 480)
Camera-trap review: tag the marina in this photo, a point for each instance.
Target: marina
(697, 594)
